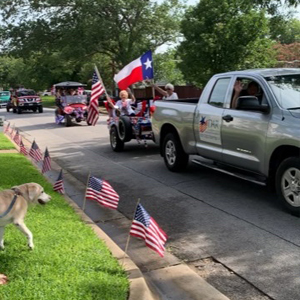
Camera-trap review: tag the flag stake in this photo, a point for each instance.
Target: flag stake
(153, 90)
(84, 199)
(128, 238)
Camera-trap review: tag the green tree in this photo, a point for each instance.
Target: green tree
(121, 30)
(10, 75)
(223, 35)
(285, 31)
(166, 68)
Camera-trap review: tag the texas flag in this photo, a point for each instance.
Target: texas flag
(137, 70)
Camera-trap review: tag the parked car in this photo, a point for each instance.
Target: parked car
(25, 99)
(256, 140)
(4, 98)
(46, 93)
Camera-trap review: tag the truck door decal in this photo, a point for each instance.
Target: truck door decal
(210, 129)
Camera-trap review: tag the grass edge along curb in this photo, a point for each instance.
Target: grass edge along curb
(34, 272)
(6, 143)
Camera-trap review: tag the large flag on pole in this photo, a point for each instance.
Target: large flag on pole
(47, 162)
(101, 191)
(59, 185)
(138, 70)
(145, 227)
(97, 91)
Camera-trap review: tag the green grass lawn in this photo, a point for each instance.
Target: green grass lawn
(48, 101)
(68, 262)
(5, 143)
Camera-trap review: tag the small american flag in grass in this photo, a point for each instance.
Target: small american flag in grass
(47, 162)
(16, 138)
(102, 192)
(35, 152)
(145, 227)
(6, 127)
(59, 185)
(23, 148)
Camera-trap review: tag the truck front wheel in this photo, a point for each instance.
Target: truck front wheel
(288, 184)
(175, 158)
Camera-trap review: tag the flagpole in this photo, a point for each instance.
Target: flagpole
(84, 199)
(128, 239)
(99, 76)
(153, 89)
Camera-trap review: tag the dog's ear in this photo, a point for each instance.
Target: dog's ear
(16, 190)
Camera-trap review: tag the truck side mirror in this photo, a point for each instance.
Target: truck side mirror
(251, 103)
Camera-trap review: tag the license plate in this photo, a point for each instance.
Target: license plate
(30, 104)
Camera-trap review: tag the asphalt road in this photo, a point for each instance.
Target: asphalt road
(206, 214)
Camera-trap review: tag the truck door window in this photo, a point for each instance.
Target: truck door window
(217, 97)
(248, 87)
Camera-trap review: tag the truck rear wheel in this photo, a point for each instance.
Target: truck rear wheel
(175, 158)
(288, 184)
(116, 144)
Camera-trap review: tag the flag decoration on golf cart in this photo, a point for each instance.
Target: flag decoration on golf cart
(145, 227)
(59, 184)
(47, 162)
(35, 152)
(97, 91)
(102, 192)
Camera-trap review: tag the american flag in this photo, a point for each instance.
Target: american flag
(17, 137)
(47, 162)
(101, 191)
(23, 148)
(145, 227)
(6, 127)
(11, 133)
(35, 152)
(59, 185)
(97, 91)
(203, 124)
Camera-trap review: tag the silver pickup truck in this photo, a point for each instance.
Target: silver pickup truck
(246, 124)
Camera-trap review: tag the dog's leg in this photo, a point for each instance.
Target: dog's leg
(21, 225)
(1, 238)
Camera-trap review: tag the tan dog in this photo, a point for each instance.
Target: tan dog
(14, 204)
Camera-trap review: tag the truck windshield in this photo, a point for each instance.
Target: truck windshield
(26, 93)
(286, 89)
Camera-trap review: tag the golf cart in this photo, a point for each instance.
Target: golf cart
(71, 106)
(124, 128)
